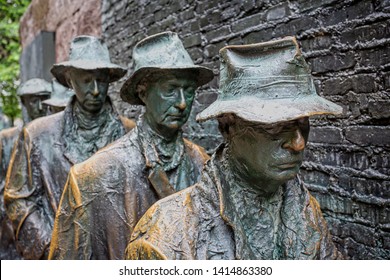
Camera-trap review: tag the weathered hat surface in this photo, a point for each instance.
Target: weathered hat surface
(60, 95)
(91, 54)
(267, 83)
(34, 86)
(161, 53)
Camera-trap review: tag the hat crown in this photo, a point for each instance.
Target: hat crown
(35, 86)
(163, 50)
(88, 48)
(267, 83)
(269, 70)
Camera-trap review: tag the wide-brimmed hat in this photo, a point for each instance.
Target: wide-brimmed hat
(60, 95)
(91, 54)
(161, 54)
(35, 86)
(267, 83)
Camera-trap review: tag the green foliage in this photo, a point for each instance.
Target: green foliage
(10, 50)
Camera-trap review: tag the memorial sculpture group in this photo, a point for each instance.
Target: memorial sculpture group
(87, 183)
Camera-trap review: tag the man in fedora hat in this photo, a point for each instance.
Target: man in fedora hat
(107, 194)
(59, 98)
(49, 146)
(250, 203)
(32, 94)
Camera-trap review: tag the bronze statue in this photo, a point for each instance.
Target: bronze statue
(4, 121)
(59, 98)
(107, 194)
(250, 203)
(33, 94)
(49, 146)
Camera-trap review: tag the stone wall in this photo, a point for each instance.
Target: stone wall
(67, 18)
(347, 45)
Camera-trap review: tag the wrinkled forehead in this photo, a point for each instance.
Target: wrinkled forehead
(183, 77)
(75, 73)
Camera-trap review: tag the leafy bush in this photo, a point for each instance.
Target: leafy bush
(10, 13)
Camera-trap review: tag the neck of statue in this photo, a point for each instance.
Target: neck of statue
(88, 119)
(166, 134)
(250, 180)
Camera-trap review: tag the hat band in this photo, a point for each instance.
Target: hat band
(274, 87)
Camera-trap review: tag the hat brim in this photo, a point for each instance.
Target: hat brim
(56, 102)
(129, 93)
(271, 111)
(115, 72)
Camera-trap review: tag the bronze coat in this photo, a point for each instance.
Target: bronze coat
(37, 174)
(106, 195)
(7, 245)
(195, 224)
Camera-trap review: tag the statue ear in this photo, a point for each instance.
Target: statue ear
(141, 91)
(68, 79)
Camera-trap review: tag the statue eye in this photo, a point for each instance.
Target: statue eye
(87, 80)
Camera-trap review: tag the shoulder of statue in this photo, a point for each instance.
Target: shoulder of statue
(9, 133)
(42, 126)
(196, 149)
(154, 236)
(127, 123)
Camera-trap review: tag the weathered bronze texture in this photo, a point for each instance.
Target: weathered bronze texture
(106, 195)
(33, 94)
(250, 203)
(59, 98)
(4, 121)
(48, 147)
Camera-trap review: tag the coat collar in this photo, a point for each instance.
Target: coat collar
(111, 129)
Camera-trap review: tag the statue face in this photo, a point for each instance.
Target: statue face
(34, 106)
(168, 103)
(269, 154)
(54, 109)
(90, 88)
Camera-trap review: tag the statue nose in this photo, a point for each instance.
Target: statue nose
(296, 143)
(181, 103)
(95, 91)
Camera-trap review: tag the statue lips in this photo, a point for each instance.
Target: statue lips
(289, 165)
(176, 117)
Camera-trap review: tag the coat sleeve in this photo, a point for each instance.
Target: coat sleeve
(327, 250)
(71, 238)
(139, 247)
(25, 203)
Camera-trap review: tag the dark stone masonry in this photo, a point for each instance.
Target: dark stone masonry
(347, 46)
(346, 43)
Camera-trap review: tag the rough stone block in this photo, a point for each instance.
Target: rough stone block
(247, 22)
(217, 34)
(330, 135)
(304, 5)
(375, 57)
(379, 109)
(258, 36)
(334, 62)
(192, 40)
(363, 83)
(366, 33)
(350, 11)
(278, 12)
(295, 26)
(316, 43)
(368, 135)
(337, 86)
